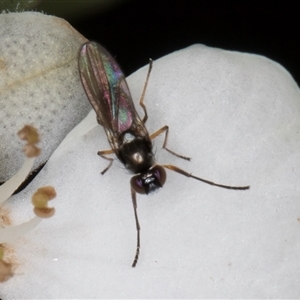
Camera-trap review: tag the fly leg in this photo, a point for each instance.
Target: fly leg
(185, 173)
(165, 129)
(136, 257)
(144, 91)
(103, 155)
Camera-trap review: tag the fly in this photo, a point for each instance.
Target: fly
(107, 90)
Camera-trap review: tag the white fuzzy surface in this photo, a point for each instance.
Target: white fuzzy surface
(39, 84)
(238, 116)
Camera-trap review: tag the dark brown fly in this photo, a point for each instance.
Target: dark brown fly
(108, 93)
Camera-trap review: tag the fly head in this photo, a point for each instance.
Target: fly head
(149, 181)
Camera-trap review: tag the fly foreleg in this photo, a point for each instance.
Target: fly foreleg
(103, 155)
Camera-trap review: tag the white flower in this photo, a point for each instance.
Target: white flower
(39, 199)
(238, 116)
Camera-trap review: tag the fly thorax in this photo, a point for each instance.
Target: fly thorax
(128, 137)
(136, 153)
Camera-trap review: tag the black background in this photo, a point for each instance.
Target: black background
(136, 30)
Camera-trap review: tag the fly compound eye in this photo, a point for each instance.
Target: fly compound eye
(160, 175)
(137, 183)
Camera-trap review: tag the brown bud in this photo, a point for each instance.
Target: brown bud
(49, 191)
(31, 150)
(29, 134)
(5, 271)
(39, 199)
(45, 212)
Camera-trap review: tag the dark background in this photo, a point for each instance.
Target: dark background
(136, 30)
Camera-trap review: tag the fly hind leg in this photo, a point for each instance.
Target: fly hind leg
(165, 129)
(103, 155)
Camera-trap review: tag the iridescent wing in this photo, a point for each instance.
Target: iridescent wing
(108, 93)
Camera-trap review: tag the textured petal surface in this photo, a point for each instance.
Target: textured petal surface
(238, 116)
(39, 84)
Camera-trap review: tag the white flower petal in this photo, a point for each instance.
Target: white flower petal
(238, 116)
(39, 84)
